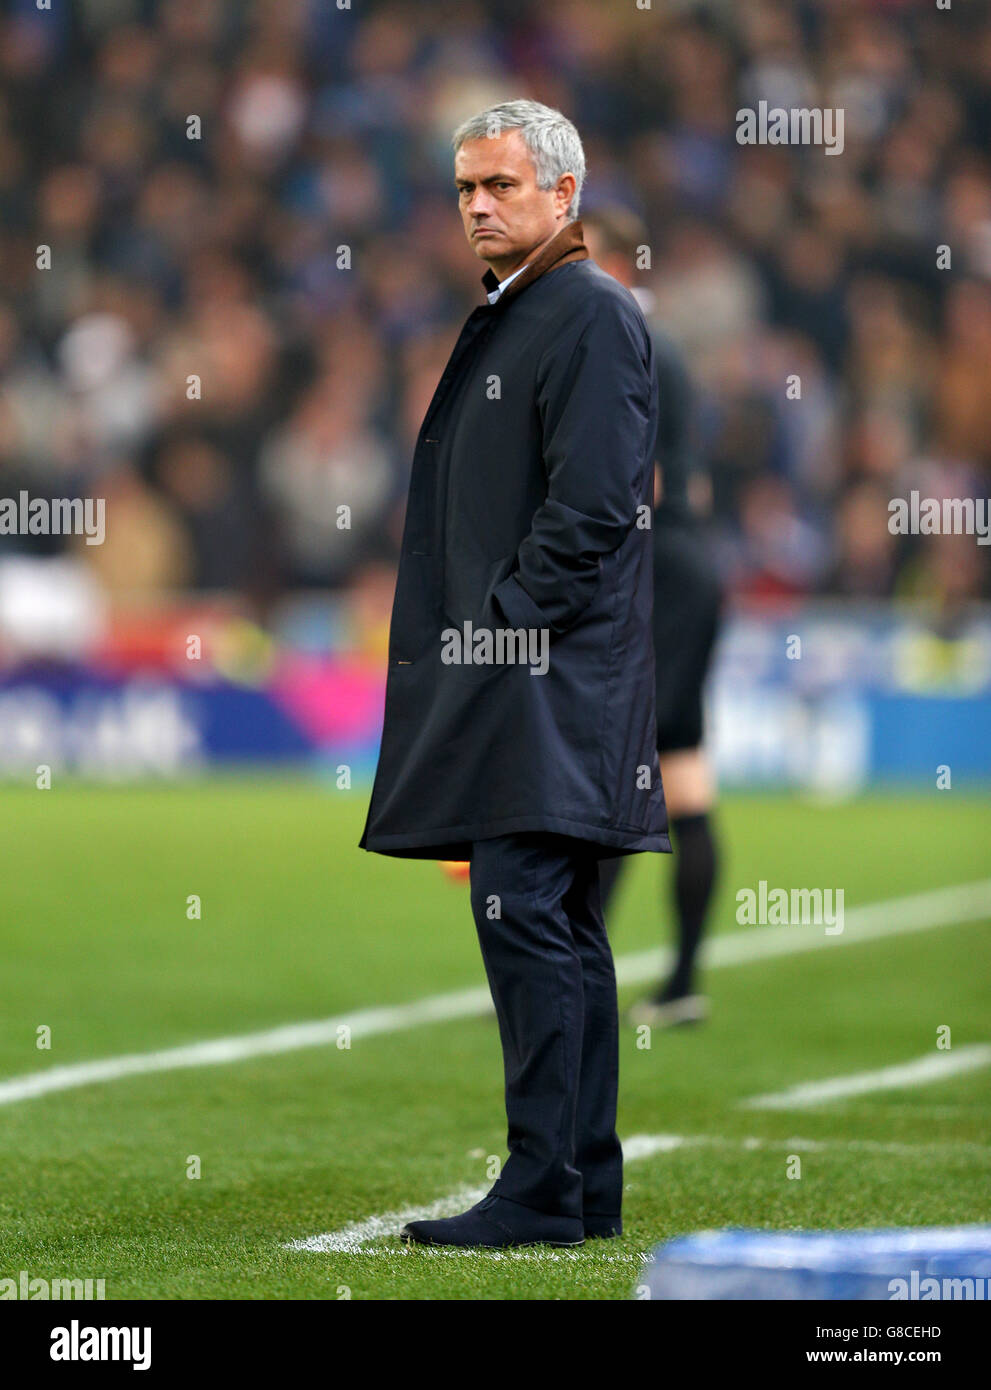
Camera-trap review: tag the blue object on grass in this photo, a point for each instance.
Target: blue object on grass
(921, 1263)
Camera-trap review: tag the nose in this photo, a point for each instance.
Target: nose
(480, 202)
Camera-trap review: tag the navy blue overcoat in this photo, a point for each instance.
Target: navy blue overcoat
(530, 507)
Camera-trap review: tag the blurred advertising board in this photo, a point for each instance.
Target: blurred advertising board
(831, 699)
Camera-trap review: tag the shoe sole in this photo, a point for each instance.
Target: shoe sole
(517, 1245)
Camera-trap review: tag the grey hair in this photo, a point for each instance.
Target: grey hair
(554, 144)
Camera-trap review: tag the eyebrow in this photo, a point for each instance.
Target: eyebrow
(493, 178)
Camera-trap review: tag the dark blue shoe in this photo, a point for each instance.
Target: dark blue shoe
(496, 1222)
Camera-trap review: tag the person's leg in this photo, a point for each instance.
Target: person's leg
(518, 887)
(689, 790)
(689, 794)
(598, 1153)
(694, 878)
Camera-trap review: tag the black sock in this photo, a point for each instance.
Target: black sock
(694, 876)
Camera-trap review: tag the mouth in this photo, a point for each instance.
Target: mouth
(485, 231)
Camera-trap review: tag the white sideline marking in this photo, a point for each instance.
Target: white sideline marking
(359, 1237)
(934, 1066)
(216, 1051)
(360, 1233)
(447, 1252)
(940, 907)
(967, 902)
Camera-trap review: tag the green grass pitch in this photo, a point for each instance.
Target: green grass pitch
(299, 924)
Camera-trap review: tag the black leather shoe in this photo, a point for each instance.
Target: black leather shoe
(601, 1227)
(497, 1223)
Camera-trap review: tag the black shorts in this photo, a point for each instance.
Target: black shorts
(687, 604)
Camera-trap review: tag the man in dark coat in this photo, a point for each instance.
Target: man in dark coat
(519, 723)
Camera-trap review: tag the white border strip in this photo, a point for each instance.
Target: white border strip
(969, 902)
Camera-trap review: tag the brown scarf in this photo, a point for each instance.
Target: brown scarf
(567, 245)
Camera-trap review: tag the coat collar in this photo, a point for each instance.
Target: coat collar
(567, 245)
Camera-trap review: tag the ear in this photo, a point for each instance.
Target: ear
(564, 192)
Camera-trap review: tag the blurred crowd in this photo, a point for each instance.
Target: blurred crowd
(257, 269)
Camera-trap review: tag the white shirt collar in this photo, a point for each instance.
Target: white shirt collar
(493, 295)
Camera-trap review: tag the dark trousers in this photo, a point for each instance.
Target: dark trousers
(535, 899)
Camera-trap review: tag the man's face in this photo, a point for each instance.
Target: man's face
(505, 215)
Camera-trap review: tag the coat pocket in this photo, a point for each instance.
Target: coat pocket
(468, 589)
(470, 602)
